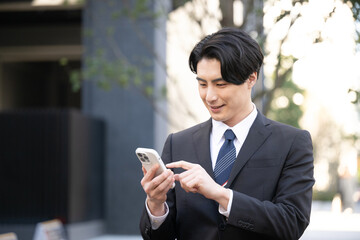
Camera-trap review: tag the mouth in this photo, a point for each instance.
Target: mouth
(216, 108)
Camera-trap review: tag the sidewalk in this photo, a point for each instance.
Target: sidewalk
(328, 225)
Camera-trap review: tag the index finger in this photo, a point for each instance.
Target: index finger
(180, 164)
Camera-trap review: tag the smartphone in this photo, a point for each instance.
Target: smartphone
(148, 158)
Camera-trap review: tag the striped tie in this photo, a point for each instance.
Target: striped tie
(226, 159)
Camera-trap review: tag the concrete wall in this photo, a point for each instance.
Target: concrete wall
(129, 116)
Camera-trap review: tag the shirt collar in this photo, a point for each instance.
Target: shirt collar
(239, 129)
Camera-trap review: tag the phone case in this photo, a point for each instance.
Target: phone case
(148, 158)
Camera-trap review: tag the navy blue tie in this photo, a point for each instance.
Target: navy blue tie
(225, 159)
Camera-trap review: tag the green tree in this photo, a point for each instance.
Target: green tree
(122, 72)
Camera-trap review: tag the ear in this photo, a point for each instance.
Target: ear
(252, 80)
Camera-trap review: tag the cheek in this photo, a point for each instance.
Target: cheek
(202, 93)
(234, 99)
(239, 101)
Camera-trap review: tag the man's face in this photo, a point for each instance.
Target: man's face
(225, 101)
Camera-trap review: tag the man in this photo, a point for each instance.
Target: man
(240, 175)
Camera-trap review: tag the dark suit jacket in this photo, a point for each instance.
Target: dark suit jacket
(271, 179)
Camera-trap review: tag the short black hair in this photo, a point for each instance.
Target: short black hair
(238, 53)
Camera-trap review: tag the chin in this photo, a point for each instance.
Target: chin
(217, 118)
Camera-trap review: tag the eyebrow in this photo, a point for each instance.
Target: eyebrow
(214, 80)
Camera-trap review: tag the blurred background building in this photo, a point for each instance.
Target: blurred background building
(67, 153)
(84, 83)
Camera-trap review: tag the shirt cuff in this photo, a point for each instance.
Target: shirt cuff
(224, 212)
(156, 221)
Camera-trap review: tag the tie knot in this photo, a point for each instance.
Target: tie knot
(229, 135)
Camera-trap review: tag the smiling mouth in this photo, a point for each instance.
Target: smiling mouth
(216, 107)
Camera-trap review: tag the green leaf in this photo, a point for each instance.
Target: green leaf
(123, 80)
(63, 61)
(104, 85)
(75, 80)
(149, 91)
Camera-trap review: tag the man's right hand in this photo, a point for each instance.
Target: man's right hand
(156, 189)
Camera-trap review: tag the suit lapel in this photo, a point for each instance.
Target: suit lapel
(258, 133)
(201, 143)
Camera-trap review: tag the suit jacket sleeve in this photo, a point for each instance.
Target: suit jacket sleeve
(167, 229)
(287, 213)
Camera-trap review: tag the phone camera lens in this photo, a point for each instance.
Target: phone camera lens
(144, 159)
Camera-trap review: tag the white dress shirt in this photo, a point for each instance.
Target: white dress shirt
(217, 139)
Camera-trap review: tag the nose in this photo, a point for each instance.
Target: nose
(211, 95)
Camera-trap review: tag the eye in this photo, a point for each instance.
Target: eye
(221, 84)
